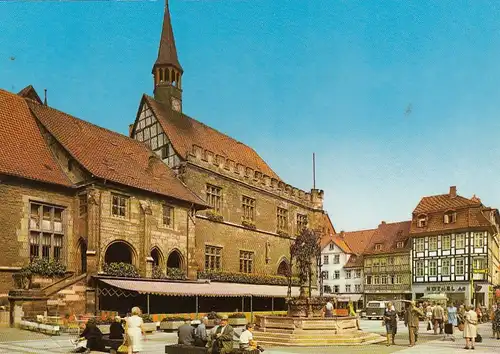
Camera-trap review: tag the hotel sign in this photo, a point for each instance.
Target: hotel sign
(445, 289)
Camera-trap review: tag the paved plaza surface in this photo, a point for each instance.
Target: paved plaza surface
(19, 341)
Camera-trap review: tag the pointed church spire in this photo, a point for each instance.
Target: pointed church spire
(167, 53)
(167, 70)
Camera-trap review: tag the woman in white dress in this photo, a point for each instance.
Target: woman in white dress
(470, 330)
(135, 331)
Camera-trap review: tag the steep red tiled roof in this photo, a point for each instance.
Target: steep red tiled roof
(358, 240)
(443, 202)
(184, 132)
(388, 235)
(23, 150)
(471, 217)
(112, 156)
(468, 213)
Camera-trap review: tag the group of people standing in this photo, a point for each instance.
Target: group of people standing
(439, 319)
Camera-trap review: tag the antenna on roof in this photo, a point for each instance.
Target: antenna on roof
(314, 171)
(45, 97)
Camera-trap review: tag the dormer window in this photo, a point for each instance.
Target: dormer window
(422, 220)
(378, 246)
(450, 217)
(400, 244)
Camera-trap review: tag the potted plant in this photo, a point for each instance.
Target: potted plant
(172, 323)
(158, 273)
(212, 215)
(237, 319)
(249, 224)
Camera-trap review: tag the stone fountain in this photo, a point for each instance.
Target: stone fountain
(304, 324)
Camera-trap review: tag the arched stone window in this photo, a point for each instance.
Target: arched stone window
(157, 257)
(118, 252)
(283, 268)
(174, 260)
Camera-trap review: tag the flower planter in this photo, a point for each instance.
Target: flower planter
(237, 321)
(40, 327)
(150, 327)
(170, 325)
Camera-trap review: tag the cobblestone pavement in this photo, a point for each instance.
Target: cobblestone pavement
(18, 341)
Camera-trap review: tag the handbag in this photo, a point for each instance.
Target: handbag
(122, 349)
(429, 326)
(479, 338)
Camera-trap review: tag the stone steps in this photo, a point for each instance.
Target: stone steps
(315, 340)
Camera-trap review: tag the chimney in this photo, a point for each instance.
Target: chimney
(342, 233)
(45, 97)
(453, 191)
(382, 222)
(130, 128)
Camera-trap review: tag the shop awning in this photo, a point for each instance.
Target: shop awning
(214, 289)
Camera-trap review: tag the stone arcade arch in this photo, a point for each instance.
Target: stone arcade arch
(174, 260)
(119, 251)
(157, 257)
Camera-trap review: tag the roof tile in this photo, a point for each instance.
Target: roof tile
(113, 156)
(24, 152)
(184, 132)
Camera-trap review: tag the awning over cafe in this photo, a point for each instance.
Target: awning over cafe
(213, 289)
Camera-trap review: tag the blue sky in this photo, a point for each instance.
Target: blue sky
(292, 77)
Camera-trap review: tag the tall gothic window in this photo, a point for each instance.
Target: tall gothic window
(248, 206)
(168, 215)
(214, 197)
(213, 258)
(282, 218)
(301, 222)
(246, 262)
(46, 231)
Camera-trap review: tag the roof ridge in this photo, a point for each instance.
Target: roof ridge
(120, 135)
(204, 124)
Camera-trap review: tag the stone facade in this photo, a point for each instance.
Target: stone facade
(16, 196)
(269, 247)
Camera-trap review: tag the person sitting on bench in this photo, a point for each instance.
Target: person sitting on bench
(93, 335)
(116, 330)
(246, 339)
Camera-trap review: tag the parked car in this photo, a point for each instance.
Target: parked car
(375, 309)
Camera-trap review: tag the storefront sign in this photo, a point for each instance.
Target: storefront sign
(445, 289)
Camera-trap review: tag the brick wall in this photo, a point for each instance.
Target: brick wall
(14, 223)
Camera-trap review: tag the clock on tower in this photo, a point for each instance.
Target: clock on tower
(176, 104)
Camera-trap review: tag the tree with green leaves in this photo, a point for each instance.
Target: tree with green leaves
(306, 249)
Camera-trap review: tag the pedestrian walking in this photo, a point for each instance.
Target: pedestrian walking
(391, 323)
(451, 322)
(412, 320)
(329, 309)
(470, 328)
(437, 318)
(134, 328)
(496, 322)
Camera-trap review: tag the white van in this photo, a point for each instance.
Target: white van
(375, 309)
